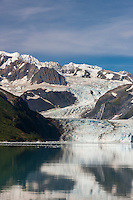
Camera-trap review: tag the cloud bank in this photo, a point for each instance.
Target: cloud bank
(67, 27)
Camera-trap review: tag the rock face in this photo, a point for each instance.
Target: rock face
(48, 75)
(109, 75)
(115, 104)
(19, 123)
(41, 100)
(13, 68)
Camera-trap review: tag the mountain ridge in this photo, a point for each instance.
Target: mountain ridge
(70, 68)
(22, 73)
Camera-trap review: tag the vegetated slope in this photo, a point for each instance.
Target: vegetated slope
(115, 104)
(42, 100)
(19, 123)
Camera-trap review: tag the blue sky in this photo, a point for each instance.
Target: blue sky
(82, 31)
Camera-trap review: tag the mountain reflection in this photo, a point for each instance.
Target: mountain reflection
(41, 182)
(116, 181)
(71, 171)
(17, 162)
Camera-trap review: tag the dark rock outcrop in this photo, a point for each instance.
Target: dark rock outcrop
(41, 100)
(86, 74)
(48, 75)
(115, 104)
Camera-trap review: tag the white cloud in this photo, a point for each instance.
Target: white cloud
(27, 12)
(114, 38)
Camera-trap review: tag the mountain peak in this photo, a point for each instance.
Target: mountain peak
(14, 56)
(30, 59)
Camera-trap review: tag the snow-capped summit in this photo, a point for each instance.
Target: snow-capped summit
(81, 70)
(71, 69)
(83, 66)
(30, 59)
(12, 55)
(7, 58)
(14, 66)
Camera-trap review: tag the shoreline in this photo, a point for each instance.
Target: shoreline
(56, 143)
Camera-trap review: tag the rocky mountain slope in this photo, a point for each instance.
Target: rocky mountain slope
(115, 104)
(19, 123)
(15, 67)
(42, 100)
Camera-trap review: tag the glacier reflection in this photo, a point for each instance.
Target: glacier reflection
(71, 171)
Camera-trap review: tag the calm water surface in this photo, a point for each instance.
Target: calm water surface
(71, 171)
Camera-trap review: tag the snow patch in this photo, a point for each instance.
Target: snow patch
(21, 65)
(23, 80)
(9, 73)
(34, 97)
(109, 76)
(114, 94)
(4, 81)
(39, 97)
(116, 116)
(130, 88)
(131, 93)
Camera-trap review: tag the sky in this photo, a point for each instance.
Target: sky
(97, 32)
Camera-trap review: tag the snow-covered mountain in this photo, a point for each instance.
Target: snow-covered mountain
(68, 92)
(17, 67)
(14, 66)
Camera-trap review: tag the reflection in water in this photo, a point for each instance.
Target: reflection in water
(41, 182)
(73, 171)
(117, 181)
(17, 162)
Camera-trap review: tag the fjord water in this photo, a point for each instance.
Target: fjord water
(67, 171)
